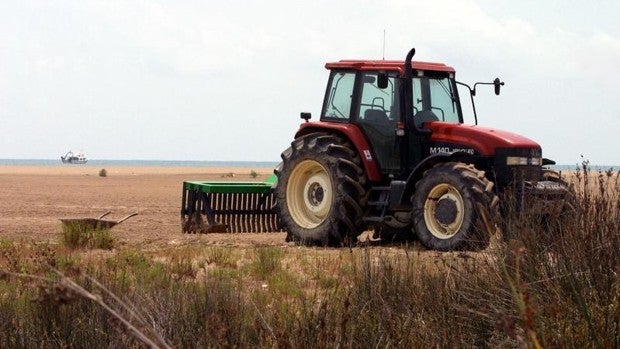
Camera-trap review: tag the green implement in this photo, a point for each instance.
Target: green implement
(229, 207)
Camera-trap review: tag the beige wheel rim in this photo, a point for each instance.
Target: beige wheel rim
(309, 194)
(441, 224)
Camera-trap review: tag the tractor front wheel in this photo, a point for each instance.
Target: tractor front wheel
(452, 207)
(321, 190)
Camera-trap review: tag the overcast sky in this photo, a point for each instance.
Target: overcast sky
(226, 80)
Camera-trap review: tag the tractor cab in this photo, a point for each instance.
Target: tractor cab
(372, 95)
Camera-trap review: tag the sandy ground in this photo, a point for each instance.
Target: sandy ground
(33, 198)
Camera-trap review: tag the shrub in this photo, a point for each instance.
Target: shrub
(253, 174)
(268, 262)
(103, 173)
(78, 235)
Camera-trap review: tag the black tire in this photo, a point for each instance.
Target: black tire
(453, 208)
(568, 203)
(321, 190)
(554, 176)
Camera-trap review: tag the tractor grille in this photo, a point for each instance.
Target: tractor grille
(507, 175)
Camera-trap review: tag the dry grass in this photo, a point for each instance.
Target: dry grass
(548, 285)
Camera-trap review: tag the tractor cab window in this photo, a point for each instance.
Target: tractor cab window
(339, 95)
(378, 105)
(434, 99)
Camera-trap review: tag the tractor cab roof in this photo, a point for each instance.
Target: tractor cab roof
(387, 65)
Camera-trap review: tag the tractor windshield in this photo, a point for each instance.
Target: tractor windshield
(434, 99)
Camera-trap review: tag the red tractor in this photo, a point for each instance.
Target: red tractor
(391, 151)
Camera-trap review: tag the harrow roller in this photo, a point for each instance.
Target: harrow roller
(229, 207)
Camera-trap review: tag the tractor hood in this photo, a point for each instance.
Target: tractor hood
(482, 139)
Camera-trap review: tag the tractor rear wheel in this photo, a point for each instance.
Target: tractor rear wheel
(321, 190)
(453, 206)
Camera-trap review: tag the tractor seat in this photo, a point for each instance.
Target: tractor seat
(376, 116)
(424, 116)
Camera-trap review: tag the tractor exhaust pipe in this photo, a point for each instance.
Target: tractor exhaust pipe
(409, 85)
(409, 95)
(408, 69)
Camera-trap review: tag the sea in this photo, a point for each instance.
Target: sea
(140, 163)
(198, 163)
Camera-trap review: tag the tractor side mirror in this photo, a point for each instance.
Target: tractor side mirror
(305, 115)
(497, 85)
(382, 80)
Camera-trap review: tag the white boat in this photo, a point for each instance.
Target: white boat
(71, 158)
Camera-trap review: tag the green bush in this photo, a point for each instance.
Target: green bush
(78, 235)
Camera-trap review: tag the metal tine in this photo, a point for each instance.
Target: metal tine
(234, 216)
(226, 209)
(220, 207)
(202, 203)
(265, 218)
(200, 206)
(214, 208)
(274, 217)
(260, 217)
(234, 203)
(251, 213)
(246, 214)
(228, 202)
(232, 200)
(239, 211)
(254, 218)
(217, 207)
(242, 212)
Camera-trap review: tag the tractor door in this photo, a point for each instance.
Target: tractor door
(379, 111)
(434, 98)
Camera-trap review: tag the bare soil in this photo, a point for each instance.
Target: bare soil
(34, 198)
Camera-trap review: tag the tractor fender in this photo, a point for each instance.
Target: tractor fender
(424, 165)
(353, 134)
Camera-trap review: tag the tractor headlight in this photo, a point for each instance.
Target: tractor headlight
(522, 160)
(516, 160)
(536, 161)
